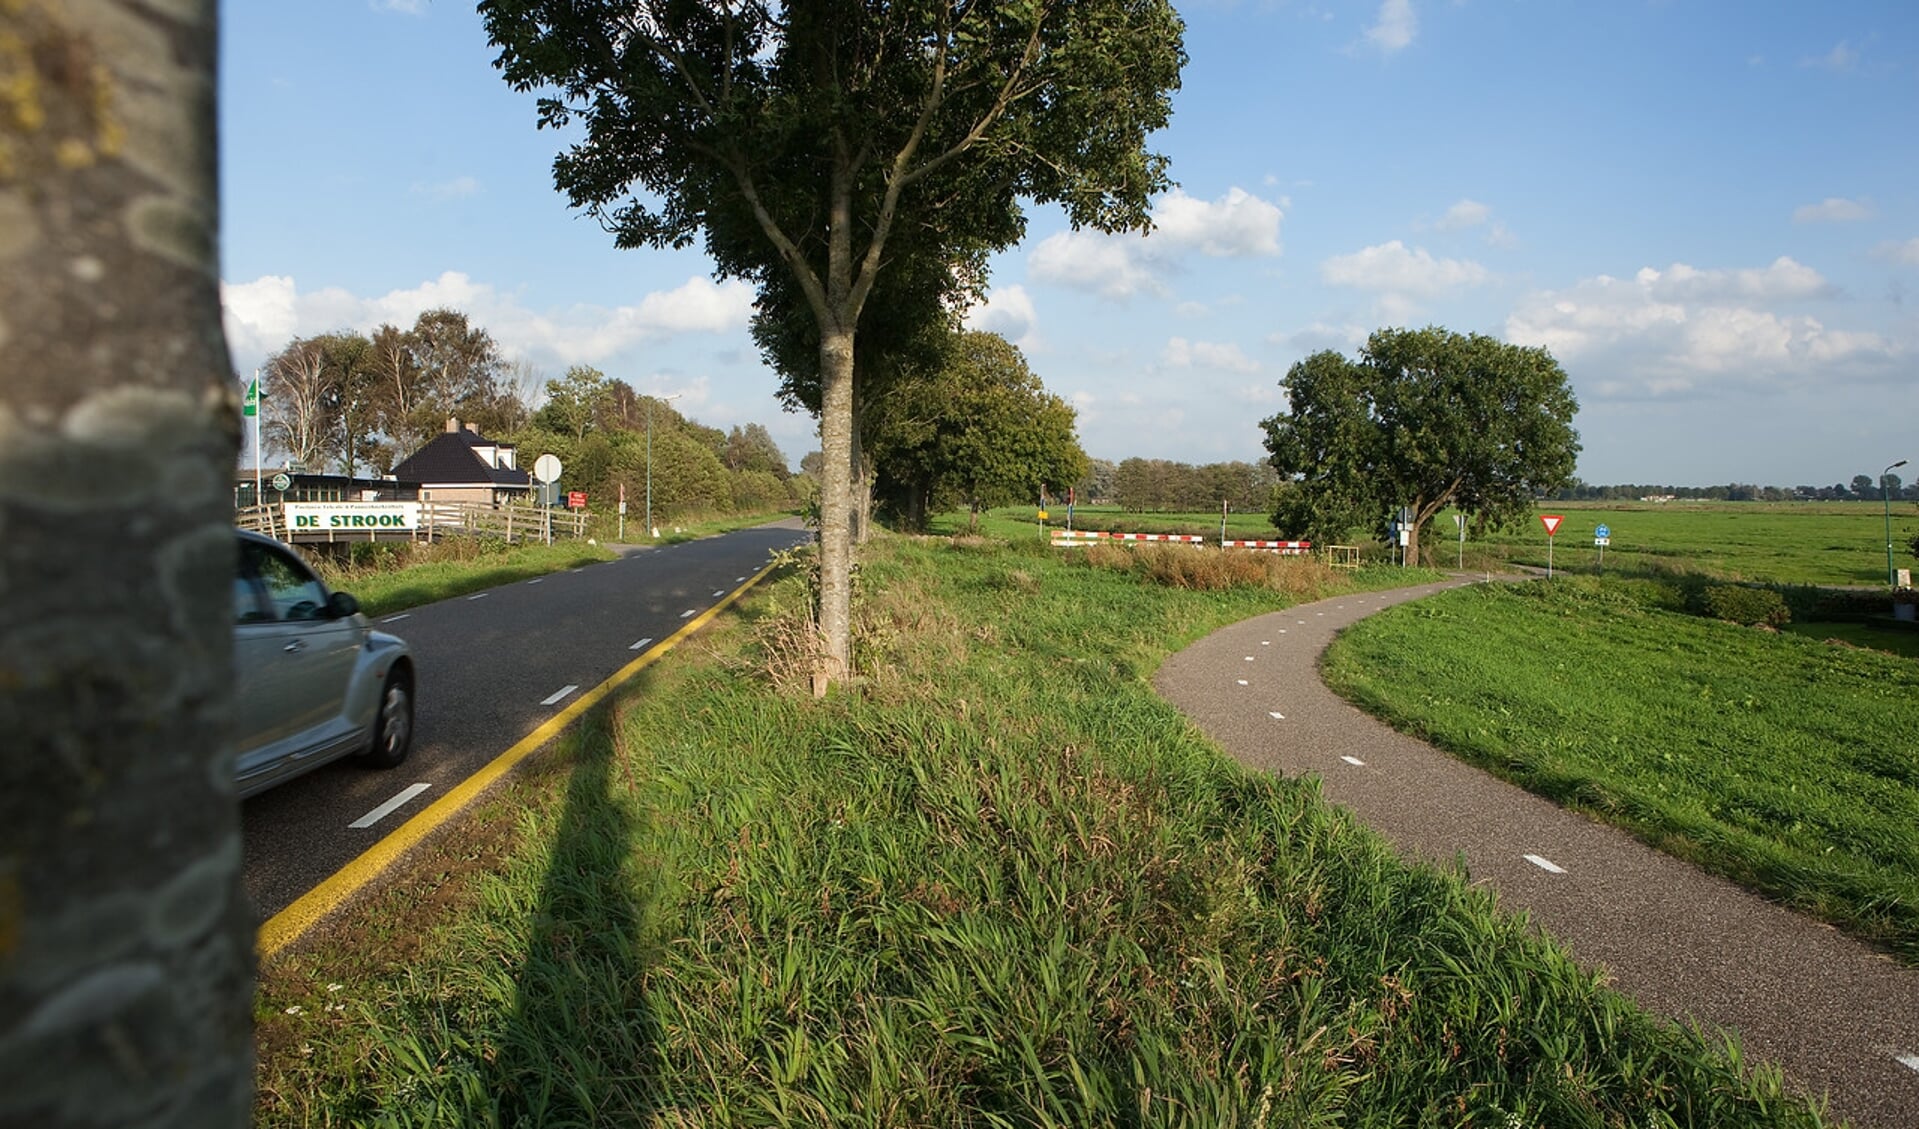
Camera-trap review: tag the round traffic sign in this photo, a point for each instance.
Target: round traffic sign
(1602, 531)
(281, 481)
(546, 468)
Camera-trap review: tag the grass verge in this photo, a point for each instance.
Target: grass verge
(1000, 884)
(390, 578)
(1786, 764)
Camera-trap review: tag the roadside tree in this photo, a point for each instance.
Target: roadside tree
(978, 430)
(126, 940)
(297, 403)
(575, 402)
(799, 139)
(1424, 419)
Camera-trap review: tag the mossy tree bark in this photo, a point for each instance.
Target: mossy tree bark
(126, 943)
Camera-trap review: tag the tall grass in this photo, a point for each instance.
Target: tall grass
(1001, 884)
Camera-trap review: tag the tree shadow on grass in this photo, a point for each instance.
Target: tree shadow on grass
(581, 1044)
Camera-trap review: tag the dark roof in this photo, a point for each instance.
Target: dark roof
(449, 460)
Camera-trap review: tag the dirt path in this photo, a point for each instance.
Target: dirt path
(1841, 1018)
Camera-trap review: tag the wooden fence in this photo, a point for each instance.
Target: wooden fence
(437, 519)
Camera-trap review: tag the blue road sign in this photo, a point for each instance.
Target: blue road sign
(1602, 531)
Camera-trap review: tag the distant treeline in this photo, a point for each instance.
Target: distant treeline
(1163, 485)
(1863, 488)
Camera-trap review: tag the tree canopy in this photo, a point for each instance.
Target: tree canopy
(1424, 419)
(812, 144)
(977, 429)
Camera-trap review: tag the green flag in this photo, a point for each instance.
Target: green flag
(252, 405)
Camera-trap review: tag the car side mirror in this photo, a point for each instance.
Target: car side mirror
(341, 605)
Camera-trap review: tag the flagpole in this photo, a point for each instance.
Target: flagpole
(257, 499)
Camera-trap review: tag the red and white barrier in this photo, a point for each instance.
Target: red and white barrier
(1073, 538)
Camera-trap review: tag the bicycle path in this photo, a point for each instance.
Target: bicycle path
(1841, 1018)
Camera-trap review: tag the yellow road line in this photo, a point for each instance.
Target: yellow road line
(286, 927)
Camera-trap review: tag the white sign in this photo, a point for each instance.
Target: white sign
(1602, 540)
(351, 517)
(546, 468)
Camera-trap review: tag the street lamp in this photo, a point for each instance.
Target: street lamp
(1885, 498)
(650, 532)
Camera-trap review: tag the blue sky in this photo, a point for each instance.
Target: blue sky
(1709, 212)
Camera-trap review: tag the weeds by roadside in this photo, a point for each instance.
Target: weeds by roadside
(998, 883)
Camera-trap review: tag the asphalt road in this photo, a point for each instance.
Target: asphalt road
(491, 667)
(1841, 1018)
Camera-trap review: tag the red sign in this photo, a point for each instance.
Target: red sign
(1551, 522)
(576, 500)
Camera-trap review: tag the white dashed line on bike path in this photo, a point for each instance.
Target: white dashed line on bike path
(554, 698)
(1544, 864)
(641, 644)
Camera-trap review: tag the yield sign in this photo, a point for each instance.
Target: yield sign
(1551, 522)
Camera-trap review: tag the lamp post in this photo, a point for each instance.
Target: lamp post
(1885, 499)
(650, 532)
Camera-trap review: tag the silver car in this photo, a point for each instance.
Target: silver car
(316, 682)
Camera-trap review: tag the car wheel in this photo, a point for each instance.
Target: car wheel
(393, 726)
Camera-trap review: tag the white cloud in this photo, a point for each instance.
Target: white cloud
(1466, 213)
(1395, 27)
(1393, 270)
(458, 188)
(1834, 209)
(1784, 279)
(1237, 225)
(1181, 353)
(260, 317)
(263, 315)
(404, 7)
(1840, 58)
(1681, 329)
(1112, 265)
(1007, 311)
(1906, 253)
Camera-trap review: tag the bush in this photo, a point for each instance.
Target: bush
(1736, 603)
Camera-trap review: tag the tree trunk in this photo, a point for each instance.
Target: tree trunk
(126, 942)
(836, 495)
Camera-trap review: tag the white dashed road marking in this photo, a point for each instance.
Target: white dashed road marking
(1354, 761)
(721, 592)
(1249, 658)
(641, 643)
(1265, 642)
(386, 809)
(1276, 715)
(1243, 682)
(689, 613)
(557, 695)
(1910, 1062)
(536, 580)
(396, 618)
(1545, 864)
(479, 596)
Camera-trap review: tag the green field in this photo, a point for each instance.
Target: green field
(1782, 762)
(1815, 543)
(1822, 543)
(998, 882)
